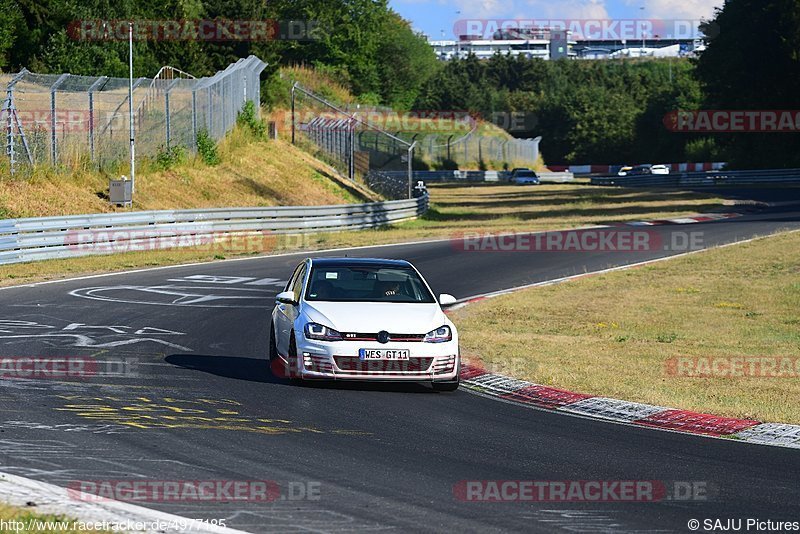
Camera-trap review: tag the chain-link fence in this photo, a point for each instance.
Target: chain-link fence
(354, 147)
(63, 118)
(475, 151)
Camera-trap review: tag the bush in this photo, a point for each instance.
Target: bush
(207, 148)
(248, 118)
(168, 158)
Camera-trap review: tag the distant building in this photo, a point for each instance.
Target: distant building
(555, 44)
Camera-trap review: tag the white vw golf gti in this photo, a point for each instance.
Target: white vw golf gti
(363, 319)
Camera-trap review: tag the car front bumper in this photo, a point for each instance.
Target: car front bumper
(435, 362)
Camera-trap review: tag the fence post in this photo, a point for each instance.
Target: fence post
(92, 89)
(210, 114)
(352, 138)
(293, 89)
(9, 109)
(194, 119)
(53, 142)
(166, 111)
(411, 169)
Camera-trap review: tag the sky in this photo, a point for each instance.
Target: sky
(434, 16)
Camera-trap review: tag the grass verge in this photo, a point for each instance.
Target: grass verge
(35, 523)
(654, 334)
(455, 210)
(252, 172)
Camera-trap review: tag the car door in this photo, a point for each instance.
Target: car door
(287, 313)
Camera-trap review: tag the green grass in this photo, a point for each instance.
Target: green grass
(37, 523)
(615, 334)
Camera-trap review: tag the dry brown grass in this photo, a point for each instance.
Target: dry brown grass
(613, 334)
(252, 173)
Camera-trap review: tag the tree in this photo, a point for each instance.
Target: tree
(753, 63)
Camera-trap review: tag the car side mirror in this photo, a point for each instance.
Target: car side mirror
(446, 300)
(286, 297)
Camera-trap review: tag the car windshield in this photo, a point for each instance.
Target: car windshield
(524, 174)
(342, 283)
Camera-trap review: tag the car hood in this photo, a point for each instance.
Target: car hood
(372, 317)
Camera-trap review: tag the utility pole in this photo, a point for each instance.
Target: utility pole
(130, 106)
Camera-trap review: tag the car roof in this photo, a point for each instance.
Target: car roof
(358, 262)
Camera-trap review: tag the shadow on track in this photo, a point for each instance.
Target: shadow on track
(257, 370)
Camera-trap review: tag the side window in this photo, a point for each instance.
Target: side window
(297, 288)
(290, 283)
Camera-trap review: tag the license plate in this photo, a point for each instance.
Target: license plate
(383, 354)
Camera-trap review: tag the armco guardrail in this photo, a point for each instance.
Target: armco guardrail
(40, 238)
(700, 179)
(475, 176)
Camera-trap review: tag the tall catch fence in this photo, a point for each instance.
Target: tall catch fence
(354, 147)
(63, 118)
(475, 151)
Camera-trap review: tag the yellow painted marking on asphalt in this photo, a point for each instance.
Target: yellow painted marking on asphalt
(172, 413)
(286, 421)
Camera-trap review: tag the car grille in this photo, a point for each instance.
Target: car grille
(361, 336)
(414, 365)
(444, 365)
(320, 364)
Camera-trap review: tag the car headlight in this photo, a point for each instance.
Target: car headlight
(321, 332)
(440, 335)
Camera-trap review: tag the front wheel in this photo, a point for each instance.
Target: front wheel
(273, 347)
(295, 376)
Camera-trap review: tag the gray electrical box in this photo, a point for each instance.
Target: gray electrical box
(120, 192)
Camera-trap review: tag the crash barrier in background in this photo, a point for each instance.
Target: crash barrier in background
(700, 179)
(587, 170)
(41, 238)
(385, 179)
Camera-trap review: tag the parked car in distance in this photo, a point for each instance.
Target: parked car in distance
(526, 177)
(641, 170)
(659, 169)
(514, 172)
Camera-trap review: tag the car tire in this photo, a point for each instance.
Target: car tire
(273, 347)
(294, 362)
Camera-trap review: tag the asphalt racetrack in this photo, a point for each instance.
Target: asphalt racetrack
(185, 394)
